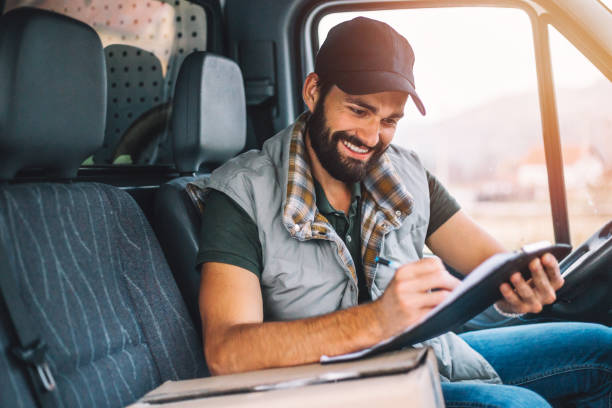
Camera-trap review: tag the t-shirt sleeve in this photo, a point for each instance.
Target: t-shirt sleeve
(228, 235)
(442, 205)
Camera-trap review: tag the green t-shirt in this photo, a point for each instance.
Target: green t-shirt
(229, 235)
(347, 226)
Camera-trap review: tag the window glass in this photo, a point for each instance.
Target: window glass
(607, 3)
(584, 98)
(145, 42)
(475, 72)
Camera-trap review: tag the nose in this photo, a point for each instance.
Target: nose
(370, 132)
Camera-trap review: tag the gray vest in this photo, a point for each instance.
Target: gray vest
(304, 278)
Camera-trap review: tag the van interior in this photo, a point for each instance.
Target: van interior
(109, 109)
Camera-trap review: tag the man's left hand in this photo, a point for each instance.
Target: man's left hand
(530, 296)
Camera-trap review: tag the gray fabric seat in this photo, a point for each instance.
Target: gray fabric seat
(87, 264)
(208, 127)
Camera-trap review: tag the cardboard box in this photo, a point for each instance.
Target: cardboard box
(407, 378)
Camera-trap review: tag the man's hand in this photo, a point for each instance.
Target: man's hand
(409, 296)
(530, 296)
(237, 339)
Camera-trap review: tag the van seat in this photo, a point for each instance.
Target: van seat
(208, 127)
(86, 263)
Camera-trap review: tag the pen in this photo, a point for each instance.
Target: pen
(386, 262)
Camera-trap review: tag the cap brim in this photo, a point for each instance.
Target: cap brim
(368, 82)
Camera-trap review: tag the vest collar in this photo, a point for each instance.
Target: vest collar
(383, 188)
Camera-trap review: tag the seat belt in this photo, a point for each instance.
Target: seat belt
(32, 349)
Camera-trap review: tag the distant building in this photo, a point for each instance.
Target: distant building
(582, 164)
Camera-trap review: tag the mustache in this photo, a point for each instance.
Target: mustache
(343, 135)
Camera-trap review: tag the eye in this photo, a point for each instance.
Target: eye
(389, 122)
(357, 111)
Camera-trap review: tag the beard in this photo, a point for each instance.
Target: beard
(325, 145)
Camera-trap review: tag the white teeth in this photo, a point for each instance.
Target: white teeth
(355, 148)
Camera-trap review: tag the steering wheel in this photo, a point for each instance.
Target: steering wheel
(588, 281)
(141, 140)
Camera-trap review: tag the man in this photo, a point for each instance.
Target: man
(290, 235)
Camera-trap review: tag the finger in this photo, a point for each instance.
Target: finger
(443, 280)
(522, 288)
(541, 283)
(430, 299)
(512, 298)
(438, 280)
(423, 267)
(526, 293)
(431, 262)
(551, 266)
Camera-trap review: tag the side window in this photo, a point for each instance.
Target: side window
(584, 98)
(145, 43)
(475, 72)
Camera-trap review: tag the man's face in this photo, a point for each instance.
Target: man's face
(349, 133)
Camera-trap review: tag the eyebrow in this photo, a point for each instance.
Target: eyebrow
(373, 109)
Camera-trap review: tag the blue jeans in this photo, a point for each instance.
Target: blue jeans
(558, 364)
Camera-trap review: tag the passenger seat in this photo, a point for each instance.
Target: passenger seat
(87, 265)
(208, 127)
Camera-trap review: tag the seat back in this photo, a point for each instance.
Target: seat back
(86, 262)
(208, 127)
(135, 86)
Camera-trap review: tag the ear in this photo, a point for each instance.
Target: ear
(310, 91)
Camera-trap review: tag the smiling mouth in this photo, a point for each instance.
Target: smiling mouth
(354, 148)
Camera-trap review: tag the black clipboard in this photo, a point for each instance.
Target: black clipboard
(478, 291)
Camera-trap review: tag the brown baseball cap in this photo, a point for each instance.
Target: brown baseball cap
(364, 56)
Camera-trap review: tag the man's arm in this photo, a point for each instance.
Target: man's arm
(463, 244)
(236, 338)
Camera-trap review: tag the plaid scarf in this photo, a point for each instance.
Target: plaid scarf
(384, 206)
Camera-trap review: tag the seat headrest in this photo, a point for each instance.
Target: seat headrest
(52, 92)
(209, 112)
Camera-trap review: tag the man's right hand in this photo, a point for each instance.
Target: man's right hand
(237, 338)
(415, 289)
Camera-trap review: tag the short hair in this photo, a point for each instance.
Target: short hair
(324, 87)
